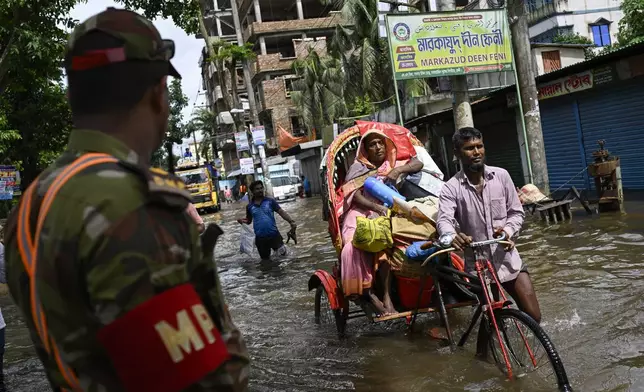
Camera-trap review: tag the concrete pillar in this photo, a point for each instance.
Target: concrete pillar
(461, 105)
(300, 10)
(262, 45)
(529, 96)
(218, 23)
(522, 142)
(258, 11)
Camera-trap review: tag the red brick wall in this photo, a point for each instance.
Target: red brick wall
(294, 25)
(275, 94)
(281, 117)
(302, 47)
(272, 62)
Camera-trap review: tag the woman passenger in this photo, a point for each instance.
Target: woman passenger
(376, 158)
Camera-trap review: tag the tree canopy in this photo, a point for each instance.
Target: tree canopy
(35, 120)
(631, 26)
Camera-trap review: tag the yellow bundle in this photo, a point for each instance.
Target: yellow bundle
(373, 235)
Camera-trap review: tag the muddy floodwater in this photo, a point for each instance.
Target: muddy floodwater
(588, 276)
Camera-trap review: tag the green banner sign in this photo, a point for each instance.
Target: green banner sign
(449, 43)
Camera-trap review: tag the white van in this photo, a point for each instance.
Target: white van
(283, 188)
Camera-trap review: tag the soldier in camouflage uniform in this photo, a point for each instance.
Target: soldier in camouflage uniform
(112, 243)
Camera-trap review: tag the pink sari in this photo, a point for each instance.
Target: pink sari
(357, 266)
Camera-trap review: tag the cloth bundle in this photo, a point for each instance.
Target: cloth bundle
(373, 235)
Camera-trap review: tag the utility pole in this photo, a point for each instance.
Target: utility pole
(528, 92)
(251, 99)
(194, 137)
(461, 106)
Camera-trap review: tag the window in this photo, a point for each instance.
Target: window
(601, 34)
(551, 60)
(193, 177)
(288, 85)
(281, 181)
(296, 126)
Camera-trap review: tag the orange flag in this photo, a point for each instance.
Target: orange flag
(286, 140)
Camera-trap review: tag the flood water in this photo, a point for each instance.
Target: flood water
(588, 277)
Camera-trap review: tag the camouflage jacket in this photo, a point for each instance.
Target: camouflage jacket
(113, 239)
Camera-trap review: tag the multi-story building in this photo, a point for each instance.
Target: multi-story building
(280, 31)
(595, 19)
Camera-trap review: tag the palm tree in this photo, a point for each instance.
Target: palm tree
(236, 55)
(206, 121)
(365, 55)
(318, 91)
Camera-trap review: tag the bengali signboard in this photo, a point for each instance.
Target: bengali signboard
(577, 82)
(259, 135)
(247, 166)
(241, 141)
(445, 44)
(568, 85)
(9, 182)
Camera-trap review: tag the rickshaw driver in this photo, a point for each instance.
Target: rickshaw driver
(484, 203)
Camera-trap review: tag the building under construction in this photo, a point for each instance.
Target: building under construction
(280, 32)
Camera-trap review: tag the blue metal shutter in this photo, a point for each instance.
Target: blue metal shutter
(616, 115)
(561, 142)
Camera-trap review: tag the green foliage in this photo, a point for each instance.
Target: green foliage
(364, 55)
(7, 136)
(183, 13)
(318, 91)
(176, 129)
(205, 121)
(178, 102)
(576, 39)
(35, 120)
(361, 106)
(631, 26)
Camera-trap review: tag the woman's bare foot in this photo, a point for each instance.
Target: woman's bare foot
(380, 307)
(389, 306)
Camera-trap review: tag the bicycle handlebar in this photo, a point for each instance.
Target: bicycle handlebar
(488, 242)
(501, 241)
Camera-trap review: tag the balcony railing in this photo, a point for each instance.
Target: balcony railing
(272, 62)
(539, 10)
(294, 25)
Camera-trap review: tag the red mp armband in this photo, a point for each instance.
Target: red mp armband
(165, 344)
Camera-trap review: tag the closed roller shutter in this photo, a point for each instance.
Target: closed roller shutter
(502, 148)
(561, 141)
(616, 115)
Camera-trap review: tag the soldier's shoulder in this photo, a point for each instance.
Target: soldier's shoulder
(124, 186)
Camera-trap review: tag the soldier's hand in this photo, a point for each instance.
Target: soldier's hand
(210, 236)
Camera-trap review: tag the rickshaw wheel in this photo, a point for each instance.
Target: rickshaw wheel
(525, 340)
(324, 315)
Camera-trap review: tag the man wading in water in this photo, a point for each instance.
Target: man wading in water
(261, 213)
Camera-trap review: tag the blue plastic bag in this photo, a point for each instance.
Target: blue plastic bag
(414, 252)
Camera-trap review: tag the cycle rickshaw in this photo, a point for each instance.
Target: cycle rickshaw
(517, 342)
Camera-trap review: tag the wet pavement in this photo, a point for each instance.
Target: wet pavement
(588, 277)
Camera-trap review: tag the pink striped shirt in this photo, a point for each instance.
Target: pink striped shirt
(478, 215)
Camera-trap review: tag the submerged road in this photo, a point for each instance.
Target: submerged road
(588, 276)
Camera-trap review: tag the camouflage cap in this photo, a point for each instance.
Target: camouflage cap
(141, 42)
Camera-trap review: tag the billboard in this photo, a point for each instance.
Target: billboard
(259, 135)
(247, 166)
(449, 43)
(9, 182)
(241, 141)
